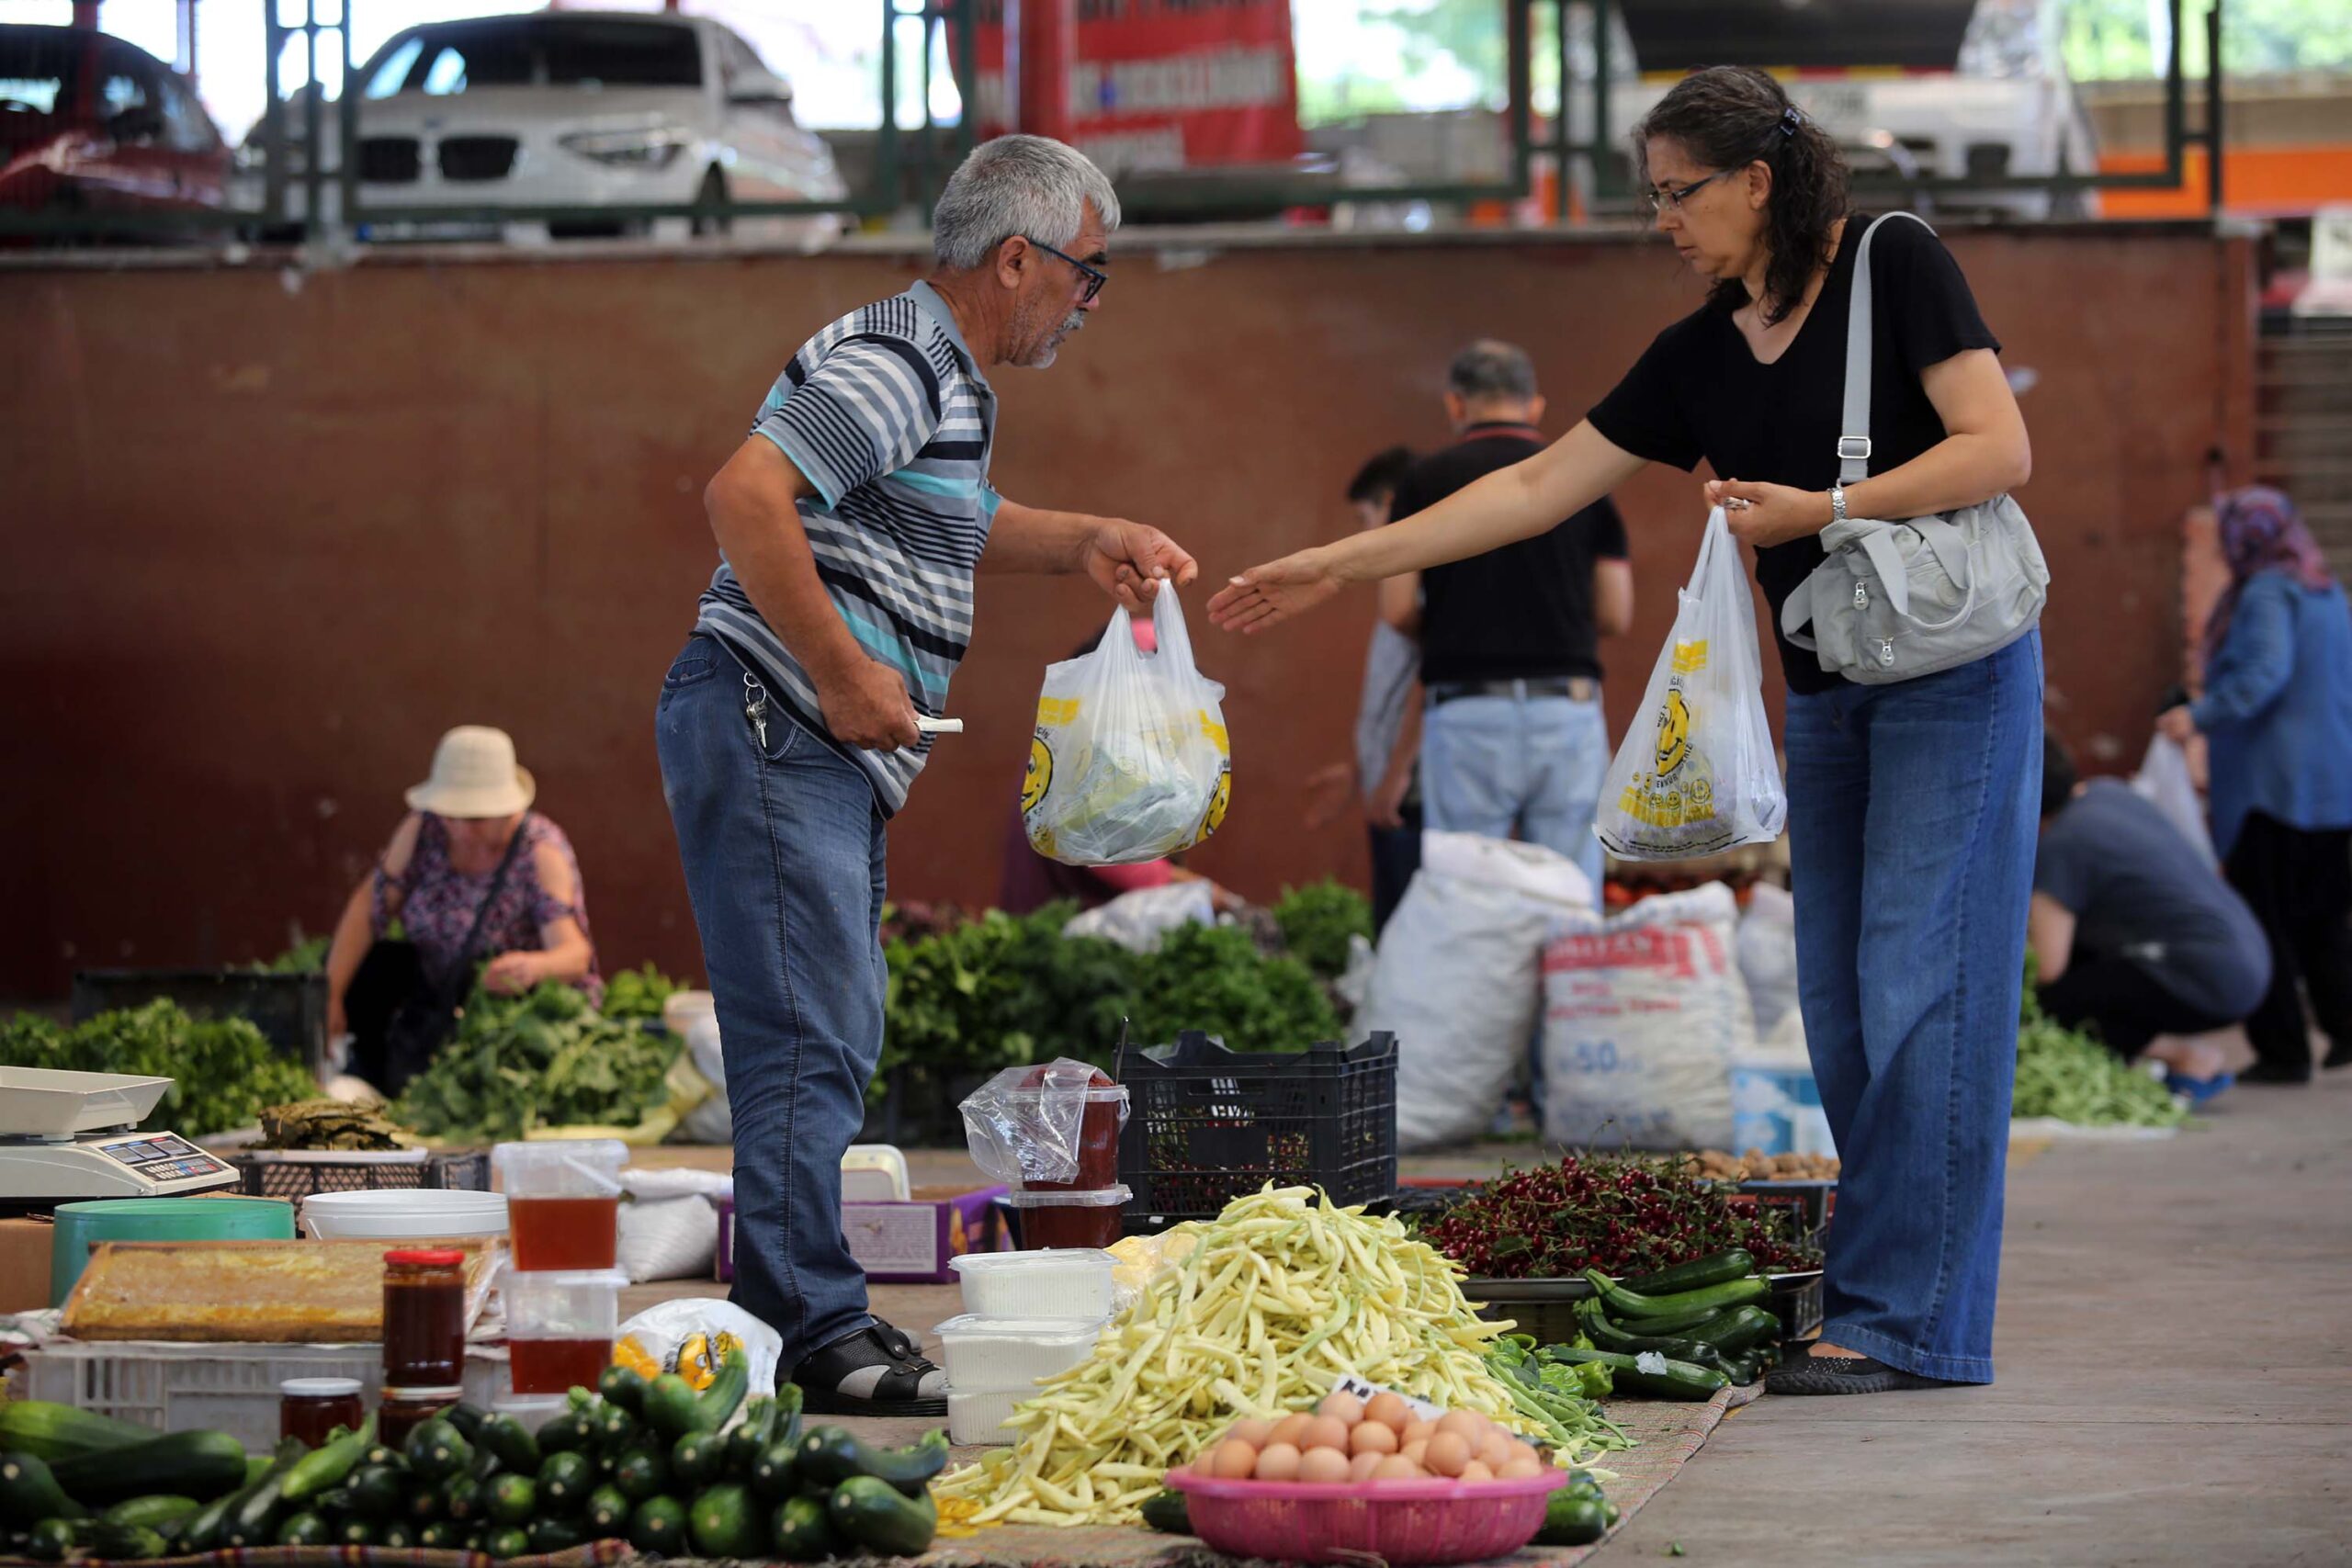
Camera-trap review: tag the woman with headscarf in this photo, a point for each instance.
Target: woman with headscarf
(2276, 717)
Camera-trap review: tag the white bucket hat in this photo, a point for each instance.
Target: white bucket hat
(475, 774)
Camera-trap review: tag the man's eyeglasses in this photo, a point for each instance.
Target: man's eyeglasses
(1674, 196)
(1095, 276)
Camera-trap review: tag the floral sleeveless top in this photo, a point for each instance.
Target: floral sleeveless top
(437, 902)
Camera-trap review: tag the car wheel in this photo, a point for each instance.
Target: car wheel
(712, 192)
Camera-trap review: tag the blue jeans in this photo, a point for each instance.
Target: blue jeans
(1913, 811)
(783, 848)
(1493, 765)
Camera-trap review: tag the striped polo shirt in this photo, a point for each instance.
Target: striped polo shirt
(887, 413)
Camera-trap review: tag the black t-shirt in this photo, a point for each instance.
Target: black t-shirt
(1521, 613)
(1698, 391)
(2137, 891)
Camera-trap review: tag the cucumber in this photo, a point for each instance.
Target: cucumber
(1715, 1268)
(608, 1514)
(1680, 1380)
(51, 1432)
(724, 1524)
(623, 1386)
(30, 1492)
(305, 1528)
(551, 1536)
(659, 1526)
(161, 1512)
(508, 1544)
(565, 1481)
(1166, 1513)
(512, 1500)
(879, 1515)
(1623, 1303)
(697, 1460)
(642, 1472)
(203, 1465)
(804, 1532)
(830, 1456)
(437, 1450)
(512, 1444)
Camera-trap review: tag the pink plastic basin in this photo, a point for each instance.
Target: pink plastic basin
(1404, 1522)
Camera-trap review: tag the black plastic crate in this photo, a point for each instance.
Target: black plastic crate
(1206, 1126)
(291, 1010)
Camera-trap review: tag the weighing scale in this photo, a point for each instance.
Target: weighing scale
(67, 1136)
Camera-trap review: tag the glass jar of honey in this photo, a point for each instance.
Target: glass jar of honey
(424, 1318)
(312, 1408)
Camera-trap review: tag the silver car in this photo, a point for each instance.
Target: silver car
(574, 109)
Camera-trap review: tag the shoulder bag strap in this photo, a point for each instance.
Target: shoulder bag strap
(465, 954)
(1854, 428)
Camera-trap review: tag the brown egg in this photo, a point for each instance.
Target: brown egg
(1523, 1451)
(1418, 1451)
(1324, 1432)
(1257, 1434)
(1448, 1454)
(1373, 1437)
(1232, 1460)
(1496, 1451)
(1416, 1431)
(1360, 1468)
(1323, 1467)
(1279, 1461)
(1467, 1425)
(1291, 1429)
(1520, 1470)
(1343, 1406)
(1476, 1470)
(1390, 1411)
(1396, 1467)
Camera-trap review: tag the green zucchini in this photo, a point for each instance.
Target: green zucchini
(607, 1514)
(749, 1435)
(30, 1492)
(1681, 1323)
(317, 1472)
(775, 1475)
(463, 1500)
(670, 1407)
(53, 1541)
(126, 1543)
(565, 1433)
(883, 1517)
(697, 1459)
(1739, 1330)
(804, 1532)
(442, 1535)
(1573, 1519)
(724, 1524)
(203, 1465)
(659, 1526)
(716, 1404)
(508, 1544)
(551, 1536)
(565, 1481)
(159, 1511)
(624, 1386)
(642, 1472)
(398, 1537)
(611, 1429)
(377, 1491)
(1679, 1380)
(204, 1531)
(253, 1521)
(467, 1419)
(1623, 1303)
(51, 1432)
(830, 1456)
(1165, 1512)
(424, 1505)
(355, 1532)
(437, 1450)
(1715, 1268)
(514, 1500)
(511, 1442)
(1608, 1335)
(305, 1528)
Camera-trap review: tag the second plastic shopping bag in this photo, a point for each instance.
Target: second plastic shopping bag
(1696, 775)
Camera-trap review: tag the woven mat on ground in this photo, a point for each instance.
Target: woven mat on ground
(1665, 1435)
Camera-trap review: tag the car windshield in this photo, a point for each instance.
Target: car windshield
(563, 52)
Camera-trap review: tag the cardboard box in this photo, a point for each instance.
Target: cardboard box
(25, 1247)
(904, 1243)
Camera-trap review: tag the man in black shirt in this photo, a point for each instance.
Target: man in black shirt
(1512, 740)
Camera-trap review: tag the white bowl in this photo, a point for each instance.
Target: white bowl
(412, 1213)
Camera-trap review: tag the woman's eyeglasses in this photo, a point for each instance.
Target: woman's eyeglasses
(1674, 196)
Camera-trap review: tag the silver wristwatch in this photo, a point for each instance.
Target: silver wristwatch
(1837, 502)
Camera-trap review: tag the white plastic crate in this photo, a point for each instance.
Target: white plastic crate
(221, 1388)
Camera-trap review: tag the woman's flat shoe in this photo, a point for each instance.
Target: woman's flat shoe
(2197, 1091)
(1842, 1374)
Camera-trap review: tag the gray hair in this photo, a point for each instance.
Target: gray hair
(1490, 369)
(1029, 186)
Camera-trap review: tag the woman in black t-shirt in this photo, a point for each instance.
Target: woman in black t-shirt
(1911, 807)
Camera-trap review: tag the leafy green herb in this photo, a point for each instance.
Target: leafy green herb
(223, 1071)
(542, 1059)
(639, 993)
(1317, 921)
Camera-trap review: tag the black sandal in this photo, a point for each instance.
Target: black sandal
(1842, 1374)
(876, 1371)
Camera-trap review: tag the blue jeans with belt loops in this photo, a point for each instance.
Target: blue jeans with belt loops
(1913, 814)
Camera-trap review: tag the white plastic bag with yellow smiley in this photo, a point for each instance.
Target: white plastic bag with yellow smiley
(1130, 761)
(1696, 773)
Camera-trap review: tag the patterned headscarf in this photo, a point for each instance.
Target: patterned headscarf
(2260, 531)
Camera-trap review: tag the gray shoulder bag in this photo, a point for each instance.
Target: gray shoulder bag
(1896, 601)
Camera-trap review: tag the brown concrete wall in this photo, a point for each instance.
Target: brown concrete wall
(266, 536)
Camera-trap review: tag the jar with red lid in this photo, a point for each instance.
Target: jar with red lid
(312, 1408)
(424, 1318)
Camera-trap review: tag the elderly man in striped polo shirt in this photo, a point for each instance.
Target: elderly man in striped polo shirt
(851, 523)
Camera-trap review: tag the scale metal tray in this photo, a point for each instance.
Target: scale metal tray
(37, 1103)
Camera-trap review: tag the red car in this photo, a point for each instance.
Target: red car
(90, 124)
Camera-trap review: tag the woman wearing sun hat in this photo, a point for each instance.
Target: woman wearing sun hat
(476, 879)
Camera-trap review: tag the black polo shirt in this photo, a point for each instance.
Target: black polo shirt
(1521, 613)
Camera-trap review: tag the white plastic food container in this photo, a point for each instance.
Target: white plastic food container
(582, 1305)
(978, 1415)
(406, 1213)
(561, 1168)
(1012, 1352)
(1073, 1282)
